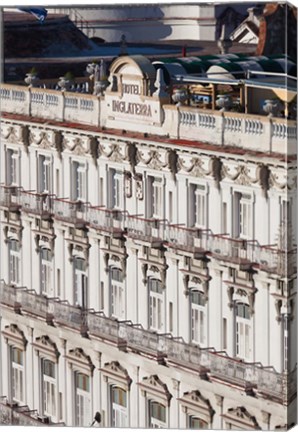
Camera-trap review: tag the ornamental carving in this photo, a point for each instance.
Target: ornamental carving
(242, 176)
(274, 182)
(139, 187)
(113, 152)
(43, 141)
(153, 161)
(196, 167)
(11, 135)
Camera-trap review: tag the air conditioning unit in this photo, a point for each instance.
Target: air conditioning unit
(43, 419)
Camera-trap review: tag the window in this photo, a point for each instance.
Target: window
(156, 305)
(198, 317)
(285, 212)
(17, 374)
(79, 191)
(285, 342)
(116, 189)
(80, 283)
(49, 388)
(198, 205)
(197, 423)
(117, 293)
(46, 272)
(157, 415)
(83, 400)
(119, 407)
(243, 216)
(243, 331)
(155, 198)
(14, 261)
(12, 168)
(45, 175)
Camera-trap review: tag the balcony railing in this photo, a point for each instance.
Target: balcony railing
(136, 338)
(212, 126)
(200, 242)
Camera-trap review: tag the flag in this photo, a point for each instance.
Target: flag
(39, 12)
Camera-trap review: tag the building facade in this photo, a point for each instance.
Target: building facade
(147, 265)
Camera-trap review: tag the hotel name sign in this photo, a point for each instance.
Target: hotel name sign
(131, 108)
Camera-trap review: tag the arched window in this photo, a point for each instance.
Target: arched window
(156, 305)
(157, 415)
(198, 317)
(243, 331)
(119, 414)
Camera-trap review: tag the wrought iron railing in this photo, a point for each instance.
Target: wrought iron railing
(221, 246)
(133, 336)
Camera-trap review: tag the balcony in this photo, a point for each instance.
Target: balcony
(9, 198)
(16, 415)
(154, 232)
(147, 230)
(110, 221)
(247, 131)
(163, 347)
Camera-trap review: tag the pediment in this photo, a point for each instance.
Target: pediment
(46, 347)
(194, 402)
(153, 386)
(240, 417)
(80, 360)
(14, 336)
(117, 373)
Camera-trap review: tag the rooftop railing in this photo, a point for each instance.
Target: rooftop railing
(272, 258)
(133, 336)
(189, 123)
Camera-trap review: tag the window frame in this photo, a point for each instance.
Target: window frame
(79, 181)
(156, 305)
(117, 293)
(118, 408)
(200, 310)
(19, 368)
(14, 261)
(44, 173)
(243, 332)
(82, 395)
(80, 283)
(49, 381)
(12, 167)
(46, 273)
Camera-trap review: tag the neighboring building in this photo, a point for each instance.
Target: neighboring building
(148, 23)
(148, 269)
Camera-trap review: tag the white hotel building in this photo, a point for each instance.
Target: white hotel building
(146, 272)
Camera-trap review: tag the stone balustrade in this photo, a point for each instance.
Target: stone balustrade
(249, 131)
(247, 252)
(126, 335)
